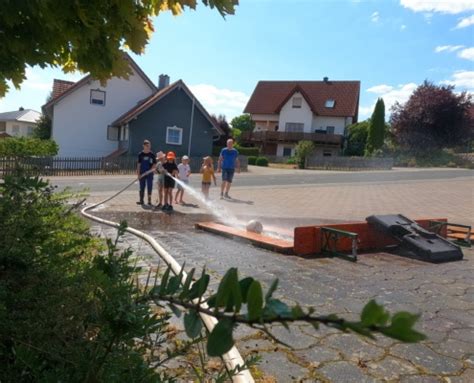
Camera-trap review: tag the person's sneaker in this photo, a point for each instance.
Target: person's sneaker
(165, 207)
(222, 195)
(149, 202)
(170, 208)
(226, 195)
(140, 202)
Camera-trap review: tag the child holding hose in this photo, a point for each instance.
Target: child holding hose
(171, 171)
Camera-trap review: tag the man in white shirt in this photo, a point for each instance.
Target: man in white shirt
(184, 172)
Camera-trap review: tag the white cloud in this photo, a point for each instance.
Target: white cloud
(441, 6)
(465, 22)
(35, 81)
(462, 80)
(390, 96)
(375, 17)
(380, 89)
(448, 48)
(403, 27)
(220, 101)
(467, 54)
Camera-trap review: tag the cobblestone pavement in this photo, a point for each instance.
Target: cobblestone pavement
(443, 294)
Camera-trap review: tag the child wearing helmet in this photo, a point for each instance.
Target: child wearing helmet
(171, 170)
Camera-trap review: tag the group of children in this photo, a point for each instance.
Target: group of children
(165, 166)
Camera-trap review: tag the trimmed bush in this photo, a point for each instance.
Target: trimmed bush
(291, 161)
(248, 151)
(252, 160)
(262, 161)
(24, 147)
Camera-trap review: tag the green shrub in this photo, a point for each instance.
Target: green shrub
(68, 312)
(303, 149)
(25, 147)
(291, 161)
(251, 160)
(262, 161)
(244, 151)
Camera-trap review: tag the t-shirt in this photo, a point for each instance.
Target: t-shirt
(229, 156)
(170, 167)
(184, 171)
(207, 173)
(146, 161)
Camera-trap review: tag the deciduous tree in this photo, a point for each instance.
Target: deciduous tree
(243, 122)
(434, 117)
(85, 35)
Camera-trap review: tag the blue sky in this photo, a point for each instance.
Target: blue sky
(391, 46)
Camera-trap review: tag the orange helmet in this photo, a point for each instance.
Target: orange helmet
(170, 156)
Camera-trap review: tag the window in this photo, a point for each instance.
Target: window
(16, 130)
(174, 135)
(124, 133)
(97, 97)
(29, 130)
(294, 127)
(330, 129)
(327, 154)
(287, 152)
(329, 103)
(112, 133)
(3, 126)
(297, 101)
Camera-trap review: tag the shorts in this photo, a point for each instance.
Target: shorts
(161, 180)
(169, 183)
(228, 175)
(184, 182)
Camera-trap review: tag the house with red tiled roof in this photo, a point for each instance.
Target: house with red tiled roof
(106, 120)
(286, 112)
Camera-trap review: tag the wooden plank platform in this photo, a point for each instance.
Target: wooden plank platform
(274, 244)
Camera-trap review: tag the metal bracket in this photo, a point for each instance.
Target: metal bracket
(436, 227)
(330, 238)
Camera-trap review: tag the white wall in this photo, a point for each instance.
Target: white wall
(23, 130)
(321, 122)
(298, 115)
(280, 148)
(80, 128)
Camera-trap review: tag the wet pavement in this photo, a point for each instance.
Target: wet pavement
(443, 294)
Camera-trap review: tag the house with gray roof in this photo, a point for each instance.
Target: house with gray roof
(18, 123)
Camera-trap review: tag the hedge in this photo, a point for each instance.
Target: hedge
(262, 161)
(252, 160)
(23, 147)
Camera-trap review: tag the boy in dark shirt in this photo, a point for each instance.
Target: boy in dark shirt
(146, 162)
(171, 168)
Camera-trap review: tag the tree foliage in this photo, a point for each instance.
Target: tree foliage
(43, 128)
(433, 117)
(357, 138)
(303, 150)
(376, 132)
(25, 147)
(89, 36)
(243, 122)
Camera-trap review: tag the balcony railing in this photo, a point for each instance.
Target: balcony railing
(269, 136)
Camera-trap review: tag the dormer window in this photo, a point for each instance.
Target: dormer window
(97, 97)
(297, 101)
(329, 103)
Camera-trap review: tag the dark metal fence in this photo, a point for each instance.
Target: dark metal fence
(81, 166)
(68, 166)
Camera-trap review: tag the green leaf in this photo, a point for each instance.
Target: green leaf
(401, 328)
(244, 287)
(276, 307)
(255, 301)
(374, 314)
(173, 285)
(297, 311)
(271, 290)
(192, 324)
(220, 339)
(199, 287)
(228, 293)
(187, 283)
(175, 310)
(164, 281)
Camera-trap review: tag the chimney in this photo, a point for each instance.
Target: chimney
(21, 109)
(163, 81)
(326, 79)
